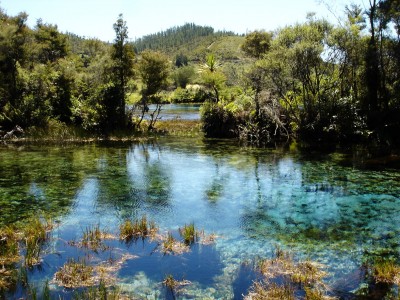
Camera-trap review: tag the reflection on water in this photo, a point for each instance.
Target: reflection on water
(177, 111)
(252, 199)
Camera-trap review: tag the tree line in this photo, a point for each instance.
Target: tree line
(319, 82)
(176, 36)
(47, 76)
(315, 81)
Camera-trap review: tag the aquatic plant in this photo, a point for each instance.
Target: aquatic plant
(8, 278)
(171, 283)
(139, 228)
(35, 235)
(8, 246)
(100, 292)
(75, 274)
(46, 291)
(304, 275)
(172, 246)
(189, 234)
(93, 237)
(262, 291)
(386, 271)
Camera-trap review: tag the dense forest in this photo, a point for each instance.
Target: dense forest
(316, 81)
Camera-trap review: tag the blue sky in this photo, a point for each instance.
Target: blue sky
(94, 18)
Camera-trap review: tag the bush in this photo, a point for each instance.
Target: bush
(218, 121)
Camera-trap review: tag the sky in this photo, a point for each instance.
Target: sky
(95, 18)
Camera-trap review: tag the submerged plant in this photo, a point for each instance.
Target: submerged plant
(100, 292)
(75, 274)
(262, 291)
(171, 283)
(304, 275)
(386, 271)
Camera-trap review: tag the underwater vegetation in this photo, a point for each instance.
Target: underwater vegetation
(285, 278)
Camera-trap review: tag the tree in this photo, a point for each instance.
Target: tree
(257, 44)
(183, 76)
(122, 56)
(154, 69)
(211, 77)
(51, 45)
(13, 37)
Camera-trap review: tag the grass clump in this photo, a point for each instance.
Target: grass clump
(75, 274)
(303, 276)
(171, 283)
(386, 271)
(35, 235)
(93, 238)
(8, 246)
(189, 234)
(140, 228)
(262, 291)
(172, 246)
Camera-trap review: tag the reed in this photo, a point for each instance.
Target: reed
(8, 246)
(35, 235)
(189, 234)
(92, 239)
(140, 228)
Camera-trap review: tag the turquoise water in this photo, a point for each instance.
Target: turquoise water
(320, 206)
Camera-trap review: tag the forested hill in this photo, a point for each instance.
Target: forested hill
(189, 35)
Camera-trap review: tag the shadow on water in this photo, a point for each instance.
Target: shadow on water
(201, 264)
(246, 276)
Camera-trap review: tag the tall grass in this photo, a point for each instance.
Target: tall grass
(35, 236)
(189, 234)
(140, 228)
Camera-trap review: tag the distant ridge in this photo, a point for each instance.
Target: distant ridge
(173, 38)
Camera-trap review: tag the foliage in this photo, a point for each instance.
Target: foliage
(192, 93)
(154, 69)
(257, 43)
(175, 37)
(218, 121)
(183, 76)
(313, 81)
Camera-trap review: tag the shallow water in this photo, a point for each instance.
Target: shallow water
(186, 111)
(318, 206)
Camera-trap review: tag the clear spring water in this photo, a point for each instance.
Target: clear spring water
(319, 206)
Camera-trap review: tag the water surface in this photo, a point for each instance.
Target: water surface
(316, 205)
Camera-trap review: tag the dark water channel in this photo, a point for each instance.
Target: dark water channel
(321, 207)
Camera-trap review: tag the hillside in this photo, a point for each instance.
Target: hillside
(193, 41)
